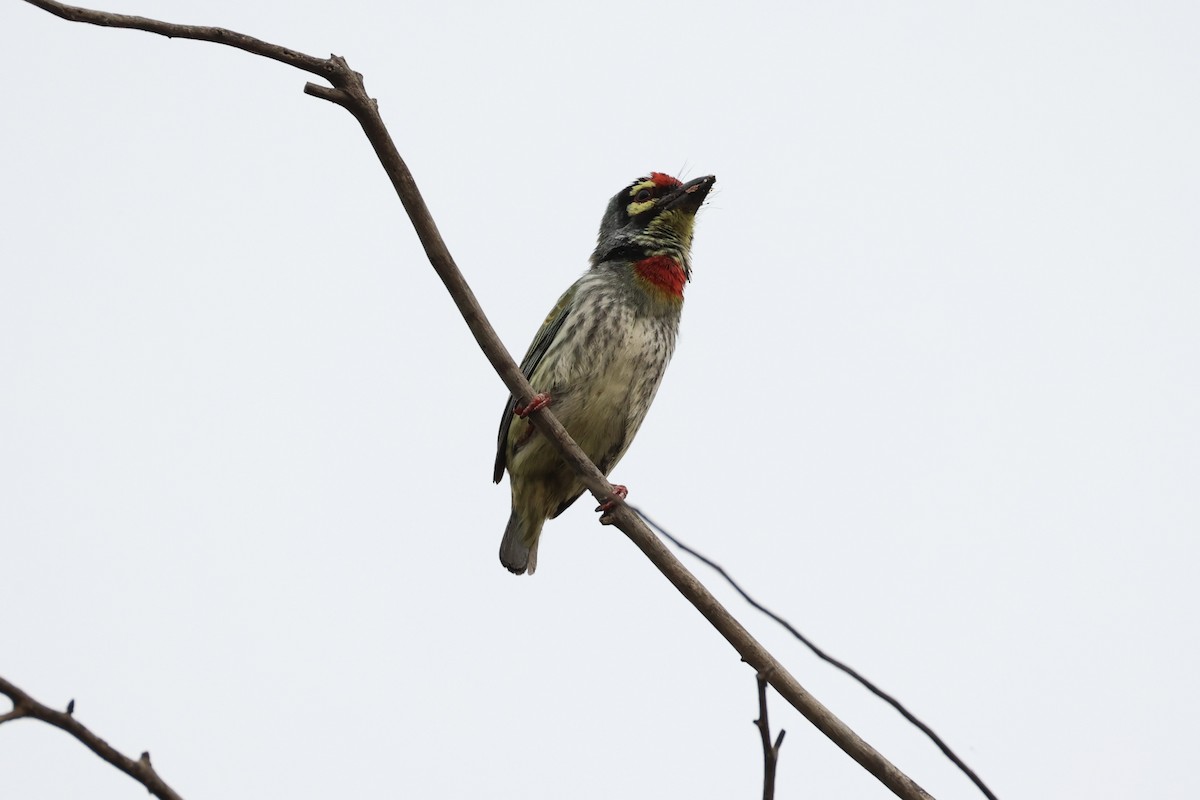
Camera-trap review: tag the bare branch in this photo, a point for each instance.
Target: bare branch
(351, 94)
(821, 654)
(770, 751)
(140, 770)
(203, 33)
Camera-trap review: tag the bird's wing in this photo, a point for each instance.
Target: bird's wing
(537, 350)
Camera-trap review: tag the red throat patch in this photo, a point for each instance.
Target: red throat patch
(662, 272)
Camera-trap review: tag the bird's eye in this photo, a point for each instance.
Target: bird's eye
(642, 196)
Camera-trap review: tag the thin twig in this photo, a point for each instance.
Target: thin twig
(770, 751)
(351, 94)
(821, 654)
(140, 770)
(202, 33)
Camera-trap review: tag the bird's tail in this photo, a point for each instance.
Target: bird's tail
(518, 548)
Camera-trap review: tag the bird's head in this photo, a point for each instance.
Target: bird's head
(652, 217)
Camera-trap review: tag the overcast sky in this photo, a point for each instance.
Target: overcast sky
(935, 400)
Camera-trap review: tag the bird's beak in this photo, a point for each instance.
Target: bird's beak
(691, 194)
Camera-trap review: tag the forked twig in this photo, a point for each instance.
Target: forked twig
(141, 770)
(770, 751)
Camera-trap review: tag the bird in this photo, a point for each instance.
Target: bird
(599, 357)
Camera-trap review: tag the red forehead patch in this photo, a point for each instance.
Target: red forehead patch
(663, 179)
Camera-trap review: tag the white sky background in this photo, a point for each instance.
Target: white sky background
(936, 398)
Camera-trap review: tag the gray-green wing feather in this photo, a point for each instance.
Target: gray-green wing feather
(604, 465)
(537, 351)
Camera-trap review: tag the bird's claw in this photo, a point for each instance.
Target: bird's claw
(538, 401)
(619, 492)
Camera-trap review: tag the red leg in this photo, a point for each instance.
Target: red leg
(540, 400)
(619, 491)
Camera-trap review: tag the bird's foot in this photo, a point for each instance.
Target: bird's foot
(618, 492)
(538, 401)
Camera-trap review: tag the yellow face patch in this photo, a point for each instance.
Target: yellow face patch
(635, 208)
(637, 187)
